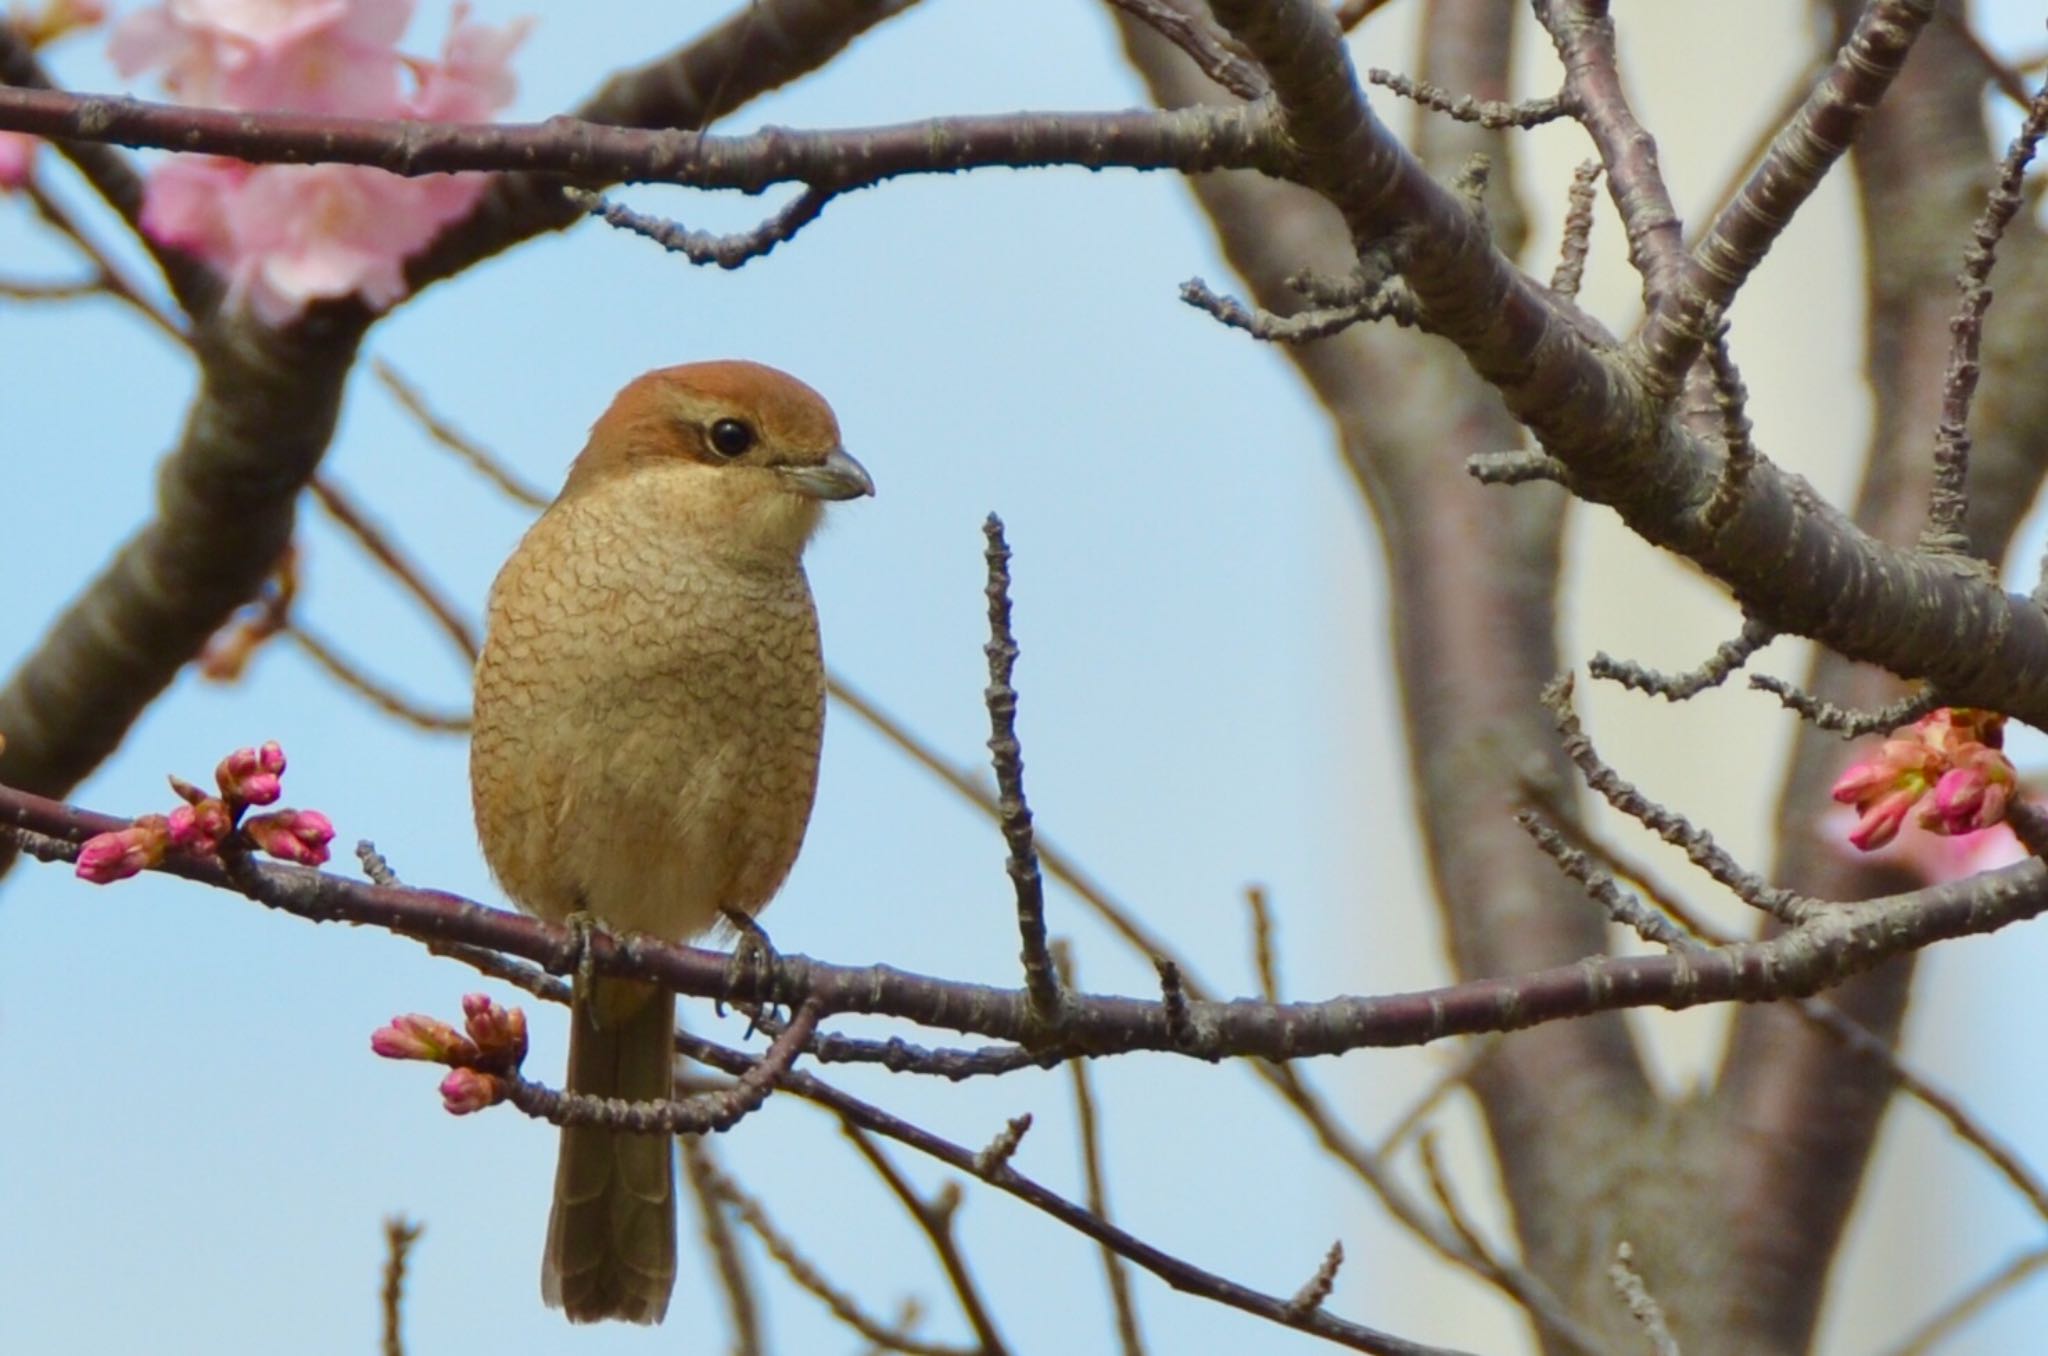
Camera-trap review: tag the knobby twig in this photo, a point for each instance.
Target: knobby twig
(1041, 980)
(399, 1236)
(700, 1113)
(1846, 721)
(709, 247)
(1728, 656)
(1628, 1284)
(1948, 501)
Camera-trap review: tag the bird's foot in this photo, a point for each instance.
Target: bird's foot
(754, 961)
(580, 926)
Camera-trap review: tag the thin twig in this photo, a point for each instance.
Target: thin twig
(935, 1218)
(1517, 468)
(1621, 906)
(1673, 828)
(1739, 453)
(1628, 1283)
(702, 1173)
(1040, 979)
(1128, 1337)
(1846, 721)
(1215, 53)
(801, 1270)
(108, 274)
(709, 247)
(697, 1114)
(383, 697)
(1440, 1186)
(1728, 656)
(1948, 502)
(1263, 963)
(1389, 300)
(1946, 1321)
(399, 1236)
(1454, 1076)
(341, 506)
(478, 457)
(1315, 1291)
(1492, 114)
(1578, 231)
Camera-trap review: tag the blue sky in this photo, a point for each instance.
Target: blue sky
(198, 1148)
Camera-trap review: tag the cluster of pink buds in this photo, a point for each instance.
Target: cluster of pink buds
(208, 823)
(483, 1055)
(1947, 770)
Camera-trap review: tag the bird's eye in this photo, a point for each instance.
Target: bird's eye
(732, 437)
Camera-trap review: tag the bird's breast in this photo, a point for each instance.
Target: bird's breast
(648, 714)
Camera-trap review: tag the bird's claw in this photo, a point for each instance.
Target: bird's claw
(581, 926)
(753, 959)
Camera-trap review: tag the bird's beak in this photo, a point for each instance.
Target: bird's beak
(839, 476)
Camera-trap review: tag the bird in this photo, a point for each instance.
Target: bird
(649, 705)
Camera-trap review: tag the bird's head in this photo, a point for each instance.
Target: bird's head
(744, 451)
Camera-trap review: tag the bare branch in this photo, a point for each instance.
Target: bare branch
(703, 1175)
(1802, 154)
(479, 458)
(1949, 500)
(1041, 979)
(707, 247)
(1847, 723)
(1728, 656)
(399, 1236)
(1189, 140)
(935, 1217)
(1641, 1303)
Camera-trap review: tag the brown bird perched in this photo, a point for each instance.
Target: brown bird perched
(649, 704)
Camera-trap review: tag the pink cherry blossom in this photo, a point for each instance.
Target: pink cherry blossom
(473, 81)
(288, 235)
(307, 56)
(185, 204)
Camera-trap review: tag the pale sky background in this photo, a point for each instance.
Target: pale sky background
(196, 1147)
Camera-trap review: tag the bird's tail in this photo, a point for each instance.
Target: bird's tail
(611, 1249)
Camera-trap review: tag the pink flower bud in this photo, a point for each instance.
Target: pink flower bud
(108, 857)
(1879, 820)
(1971, 795)
(417, 1036)
(467, 1090)
(200, 827)
(251, 776)
(298, 836)
(499, 1032)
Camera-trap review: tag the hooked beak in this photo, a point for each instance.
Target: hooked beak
(839, 476)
